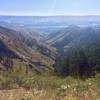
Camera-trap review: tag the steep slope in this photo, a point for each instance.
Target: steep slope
(74, 36)
(5, 51)
(79, 51)
(15, 44)
(26, 30)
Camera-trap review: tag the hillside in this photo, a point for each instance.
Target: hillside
(25, 29)
(74, 36)
(79, 49)
(21, 47)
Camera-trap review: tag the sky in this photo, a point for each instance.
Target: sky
(49, 7)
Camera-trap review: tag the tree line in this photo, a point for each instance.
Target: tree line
(81, 63)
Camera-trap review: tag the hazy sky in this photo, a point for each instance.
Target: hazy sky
(49, 7)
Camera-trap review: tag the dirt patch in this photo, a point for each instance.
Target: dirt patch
(15, 94)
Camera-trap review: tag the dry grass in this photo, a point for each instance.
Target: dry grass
(22, 94)
(18, 85)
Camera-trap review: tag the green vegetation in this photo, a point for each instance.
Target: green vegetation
(48, 81)
(75, 76)
(82, 63)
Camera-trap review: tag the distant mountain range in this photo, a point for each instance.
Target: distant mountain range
(51, 21)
